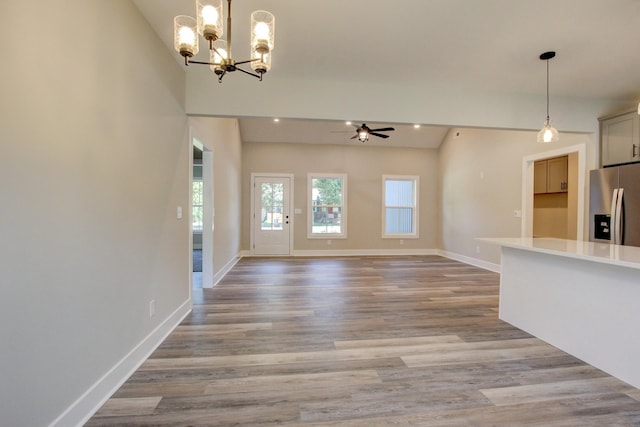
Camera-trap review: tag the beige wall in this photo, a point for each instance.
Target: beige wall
(364, 164)
(93, 164)
(222, 137)
(481, 185)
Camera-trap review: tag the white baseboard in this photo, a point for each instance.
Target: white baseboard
(224, 270)
(364, 252)
(88, 404)
(471, 261)
(352, 252)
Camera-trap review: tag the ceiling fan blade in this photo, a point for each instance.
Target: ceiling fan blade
(354, 137)
(382, 130)
(379, 135)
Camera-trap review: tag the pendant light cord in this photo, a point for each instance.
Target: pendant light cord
(547, 91)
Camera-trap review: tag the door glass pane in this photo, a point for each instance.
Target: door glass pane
(272, 206)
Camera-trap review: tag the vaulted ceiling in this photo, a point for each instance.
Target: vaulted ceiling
(474, 45)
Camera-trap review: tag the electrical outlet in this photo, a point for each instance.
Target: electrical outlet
(477, 249)
(152, 308)
(517, 213)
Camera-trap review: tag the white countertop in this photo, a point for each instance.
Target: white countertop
(624, 256)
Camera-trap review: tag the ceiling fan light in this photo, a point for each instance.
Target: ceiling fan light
(548, 134)
(363, 136)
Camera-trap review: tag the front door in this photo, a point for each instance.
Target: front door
(271, 215)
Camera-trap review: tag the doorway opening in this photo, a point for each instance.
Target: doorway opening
(553, 193)
(202, 215)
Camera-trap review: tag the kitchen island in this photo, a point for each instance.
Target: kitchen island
(581, 297)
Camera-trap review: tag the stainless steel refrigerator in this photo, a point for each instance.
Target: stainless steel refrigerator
(614, 205)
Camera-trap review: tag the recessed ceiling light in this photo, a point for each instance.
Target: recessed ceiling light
(348, 123)
(416, 126)
(276, 120)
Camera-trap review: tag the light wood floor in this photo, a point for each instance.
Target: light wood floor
(361, 342)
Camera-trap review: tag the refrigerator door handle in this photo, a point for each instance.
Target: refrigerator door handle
(619, 223)
(612, 222)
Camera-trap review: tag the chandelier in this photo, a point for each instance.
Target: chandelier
(208, 24)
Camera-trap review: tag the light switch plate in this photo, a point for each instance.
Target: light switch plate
(179, 212)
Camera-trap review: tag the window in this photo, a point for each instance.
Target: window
(400, 211)
(327, 205)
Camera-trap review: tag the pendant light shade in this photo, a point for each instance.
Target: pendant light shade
(548, 133)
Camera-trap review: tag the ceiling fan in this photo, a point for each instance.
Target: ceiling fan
(363, 132)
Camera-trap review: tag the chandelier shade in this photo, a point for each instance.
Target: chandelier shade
(210, 19)
(185, 39)
(209, 24)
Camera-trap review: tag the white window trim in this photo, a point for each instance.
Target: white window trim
(416, 201)
(310, 234)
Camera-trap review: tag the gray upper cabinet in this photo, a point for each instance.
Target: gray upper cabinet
(551, 175)
(620, 138)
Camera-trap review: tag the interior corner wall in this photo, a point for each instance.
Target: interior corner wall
(364, 164)
(222, 137)
(93, 165)
(480, 173)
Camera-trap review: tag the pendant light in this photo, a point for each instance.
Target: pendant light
(548, 133)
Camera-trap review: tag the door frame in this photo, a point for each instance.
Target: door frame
(526, 227)
(208, 210)
(252, 214)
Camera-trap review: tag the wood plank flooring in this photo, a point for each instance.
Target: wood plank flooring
(369, 341)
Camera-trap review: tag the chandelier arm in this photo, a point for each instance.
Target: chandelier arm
(204, 63)
(251, 74)
(247, 61)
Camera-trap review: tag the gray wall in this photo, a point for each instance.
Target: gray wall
(222, 137)
(364, 165)
(481, 185)
(93, 164)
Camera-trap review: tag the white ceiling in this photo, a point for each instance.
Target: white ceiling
(338, 133)
(473, 44)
